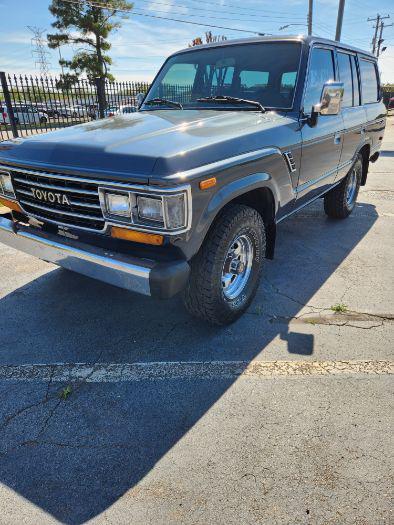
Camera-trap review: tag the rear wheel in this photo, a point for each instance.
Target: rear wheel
(341, 200)
(226, 271)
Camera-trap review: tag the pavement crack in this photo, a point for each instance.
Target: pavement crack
(279, 292)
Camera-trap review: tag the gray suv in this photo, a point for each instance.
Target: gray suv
(185, 195)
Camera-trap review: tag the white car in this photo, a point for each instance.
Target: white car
(118, 110)
(23, 114)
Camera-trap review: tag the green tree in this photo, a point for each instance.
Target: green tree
(87, 24)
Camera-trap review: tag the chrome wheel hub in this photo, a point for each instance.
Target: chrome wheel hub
(237, 266)
(351, 188)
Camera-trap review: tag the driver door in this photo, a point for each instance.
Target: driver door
(321, 144)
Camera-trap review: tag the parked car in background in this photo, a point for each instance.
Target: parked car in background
(111, 111)
(186, 195)
(24, 114)
(46, 108)
(77, 111)
(390, 106)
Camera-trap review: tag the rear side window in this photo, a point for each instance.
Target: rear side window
(345, 76)
(321, 70)
(356, 82)
(369, 81)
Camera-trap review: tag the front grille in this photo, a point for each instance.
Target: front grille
(80, 209)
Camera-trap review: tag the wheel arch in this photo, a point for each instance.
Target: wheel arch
(257, 191)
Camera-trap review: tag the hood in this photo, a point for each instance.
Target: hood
(145, 145)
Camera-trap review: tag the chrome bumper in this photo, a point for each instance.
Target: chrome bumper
(161, 280)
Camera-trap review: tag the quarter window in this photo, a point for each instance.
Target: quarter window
(345, 76)
(321, 70)
(369, 81)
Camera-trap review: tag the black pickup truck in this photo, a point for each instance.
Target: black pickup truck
(185, 195)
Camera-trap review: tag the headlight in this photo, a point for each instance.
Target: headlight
(118, 204)
(150, 208)
(6, 187)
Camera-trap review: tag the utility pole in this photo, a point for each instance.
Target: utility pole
(381, 40)
(310, 17)
(341, 9)
(378, 21)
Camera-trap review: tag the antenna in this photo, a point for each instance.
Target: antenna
(39, 53)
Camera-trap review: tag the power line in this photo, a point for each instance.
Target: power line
(210, 17)
(96, 4)
(178, 6)
(249, 9)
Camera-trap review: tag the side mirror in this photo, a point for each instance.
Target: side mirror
(331, 98)
(139, 98)
(330, 102)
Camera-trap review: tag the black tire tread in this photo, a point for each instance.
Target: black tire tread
(199, 297)
(335, 200)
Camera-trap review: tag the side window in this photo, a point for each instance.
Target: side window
(369, 81)
(356, 82)
(345, 76)
(321, 70)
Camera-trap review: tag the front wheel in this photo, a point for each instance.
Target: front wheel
(225, 273)
(341, 200)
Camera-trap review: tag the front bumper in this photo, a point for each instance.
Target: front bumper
(160, 280)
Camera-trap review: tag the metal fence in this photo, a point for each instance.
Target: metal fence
(30, 105)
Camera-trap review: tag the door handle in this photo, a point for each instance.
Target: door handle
(337, 138)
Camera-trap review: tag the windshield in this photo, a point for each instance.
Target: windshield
(264, 72)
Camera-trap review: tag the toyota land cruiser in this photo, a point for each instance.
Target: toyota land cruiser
(185, 195)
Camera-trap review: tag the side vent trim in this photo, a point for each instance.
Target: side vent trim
(290, 161)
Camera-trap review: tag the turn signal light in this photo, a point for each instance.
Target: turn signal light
(12, 205)
(208, 183)
(134, 236)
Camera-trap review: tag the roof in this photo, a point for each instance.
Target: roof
(308, 40)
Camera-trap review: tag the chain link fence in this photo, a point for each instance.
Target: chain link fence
(30, 105)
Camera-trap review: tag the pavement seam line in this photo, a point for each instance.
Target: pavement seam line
(117, 372)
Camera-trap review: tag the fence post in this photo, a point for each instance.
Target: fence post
(100, 87)
(8, 103)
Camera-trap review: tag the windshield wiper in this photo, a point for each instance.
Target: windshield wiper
(164, 102)
(223, 99)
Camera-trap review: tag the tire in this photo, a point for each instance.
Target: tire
(43, 120)
(214, 294)
(341, 200)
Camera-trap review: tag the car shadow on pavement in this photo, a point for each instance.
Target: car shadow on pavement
(74, 458)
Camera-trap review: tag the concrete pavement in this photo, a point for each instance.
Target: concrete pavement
(168, 421)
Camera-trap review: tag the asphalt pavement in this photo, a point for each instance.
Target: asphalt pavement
(119, 409)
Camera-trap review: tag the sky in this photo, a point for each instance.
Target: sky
(142, 43)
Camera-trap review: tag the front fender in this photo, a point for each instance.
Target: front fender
(231, 191)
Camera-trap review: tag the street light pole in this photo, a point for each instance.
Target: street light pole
(310, 16)
(341, 9)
